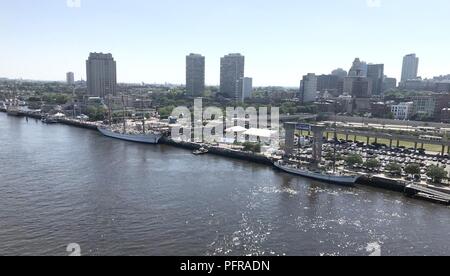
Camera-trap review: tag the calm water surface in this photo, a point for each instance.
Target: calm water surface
(62, 185)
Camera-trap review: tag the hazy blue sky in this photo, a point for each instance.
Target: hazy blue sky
(282, 39)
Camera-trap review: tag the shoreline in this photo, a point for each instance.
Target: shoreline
(432, 195)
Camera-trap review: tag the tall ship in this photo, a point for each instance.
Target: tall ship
(149, 137)
(136, 129)
(13, 109)
(13, 104)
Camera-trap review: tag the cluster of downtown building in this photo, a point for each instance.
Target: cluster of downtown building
(101, 75)
(358, 91)
(233, 83)
(361, 91)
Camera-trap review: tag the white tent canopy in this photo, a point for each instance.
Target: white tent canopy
(59, 115)
(237, 129)
(263, 133)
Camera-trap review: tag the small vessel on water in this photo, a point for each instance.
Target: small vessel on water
(201, 151)
(327, 176)
(13, 109)
(13, 104)
(49, 120)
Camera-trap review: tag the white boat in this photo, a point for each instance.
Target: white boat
(330, 177)
(50, 120)
(147, 138)
(201, 151)
(13, 108)
(13, 111)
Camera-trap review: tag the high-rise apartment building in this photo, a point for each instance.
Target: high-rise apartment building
(70, 78)
(247, 88)
(308, 88)
(101, 75)
(232, 76)
(195, 75)
(410, 67)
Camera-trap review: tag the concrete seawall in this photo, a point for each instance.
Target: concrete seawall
(382, 183)
(78, 124)
(247, 156)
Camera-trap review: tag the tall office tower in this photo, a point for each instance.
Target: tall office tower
(410, 67)
(101, 75)
(341, 73)
(70, 78)
(359, 69)
(375, 72)
(361, 88)
(195, 75)
(308, 88)
(247, 88)
(389, 83)
(361, 93)
(327, 83)
(232, 76)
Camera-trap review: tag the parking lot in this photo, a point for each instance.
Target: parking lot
(385, 155)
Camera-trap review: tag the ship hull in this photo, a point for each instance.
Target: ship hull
(334, 179)
(13, 113)
(150, 138)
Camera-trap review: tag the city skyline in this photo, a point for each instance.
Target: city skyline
(152, 49)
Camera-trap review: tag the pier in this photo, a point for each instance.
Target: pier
(430, 194)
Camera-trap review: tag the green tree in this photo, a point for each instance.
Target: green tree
(96, 113)
(413, 169)
(166, 111)
(354, 159)
(394, 168)
(253, 147)
(372, 164)
(437, 174)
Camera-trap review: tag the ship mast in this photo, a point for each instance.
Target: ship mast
(143, 115)
(124, 122)
(109, 112)
(73, 101)
(335, 137)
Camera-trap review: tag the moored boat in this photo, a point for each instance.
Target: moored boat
(149, 137)
(330, 177)
(12, 111)
(50, 120)
(201, 151)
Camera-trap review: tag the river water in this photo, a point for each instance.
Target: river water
(61, 185)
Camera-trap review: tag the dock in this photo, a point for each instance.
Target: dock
(229, 153)
(78, 123)
(418, 191)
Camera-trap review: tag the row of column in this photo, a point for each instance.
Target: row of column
(391, 143)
